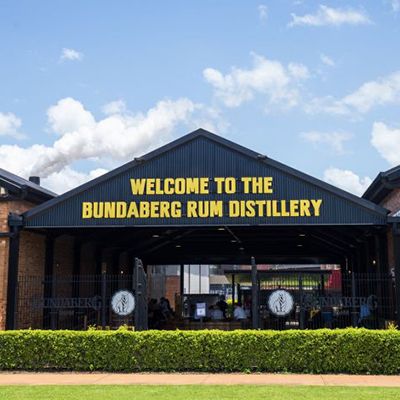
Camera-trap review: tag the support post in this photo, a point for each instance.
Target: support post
(182, 280)
(233, 289)
(322, 285)
(378, 253)
(302, 310)
(12, 283)
(353, 300)
(396, 251)
(141, 317)
(48, 315)
(103, 294)
(254, 295)
(76, 277)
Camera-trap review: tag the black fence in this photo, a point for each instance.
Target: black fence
(290, 300)
(71, 302)
(329, 299)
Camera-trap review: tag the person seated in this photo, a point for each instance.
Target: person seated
(155, 316)
(222, 305)
(239, 313)
(216, 314)
(165, 308)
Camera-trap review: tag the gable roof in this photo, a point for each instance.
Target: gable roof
(25, 188)
(201, 133)
(383, 185)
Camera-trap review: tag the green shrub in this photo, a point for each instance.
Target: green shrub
(356, 351)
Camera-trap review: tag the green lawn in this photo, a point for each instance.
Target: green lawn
(196, 392)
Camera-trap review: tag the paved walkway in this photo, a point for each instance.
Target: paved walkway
(74, 378)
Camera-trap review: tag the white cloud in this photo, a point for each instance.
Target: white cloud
(331, 16)
(263, 12)
(298, 71)
(347, 180)
(115, 138)
(395, 5)
(386, 141)
(19, 160)
(69, 115)
(279, 84)
(327, 60)
(335, 140)
(209, 118)
(114, 107)
(9, 125)
(70, 55)
(382, 91)
(68, 178)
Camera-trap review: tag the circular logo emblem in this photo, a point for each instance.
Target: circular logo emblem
(280, 302)
(123, 302)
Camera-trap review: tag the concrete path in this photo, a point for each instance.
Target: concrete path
(74, 378)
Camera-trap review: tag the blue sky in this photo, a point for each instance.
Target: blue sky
(86, 86)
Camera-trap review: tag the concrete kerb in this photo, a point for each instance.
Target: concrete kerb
(75, 378)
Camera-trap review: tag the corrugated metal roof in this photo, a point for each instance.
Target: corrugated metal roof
(383, 185)
(202, 153)
(20, 183)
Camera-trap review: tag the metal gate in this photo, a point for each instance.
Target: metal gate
(306, 300)
(81, 301)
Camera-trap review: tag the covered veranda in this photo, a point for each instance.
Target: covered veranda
(299, 259)
(118, 232)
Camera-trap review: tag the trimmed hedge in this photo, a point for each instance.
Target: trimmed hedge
(355, 351)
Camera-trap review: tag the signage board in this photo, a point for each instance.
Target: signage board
(201, 310)
(151, 198)
(204, 180)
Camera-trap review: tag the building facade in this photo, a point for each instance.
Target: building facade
(197, 204)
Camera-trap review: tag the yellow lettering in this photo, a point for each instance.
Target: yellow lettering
(191, 209)
(230, 185)
(167, 186)
(154, 209)
(317, 205)
(144, 209)
(219, 182)
(179, 186)
(137, 186)
(294, 208)
(246, 184)
(250, 212)
(87, 210)
(150, 183)
(98, 209)
(275, 211)
(121, 209)
(234, 208)
(164, 209)
(204, 186)
(216, 208)
(268, 185)
(192, 185)
(176, 209)
(260, 204)
(284, 212)
(109, 209)
(158, 188)
(305, 208)
(132, 211)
